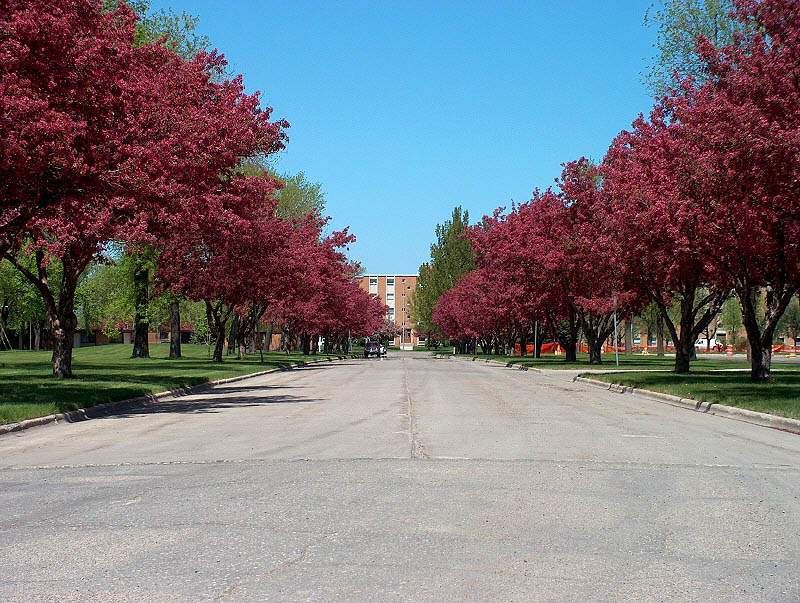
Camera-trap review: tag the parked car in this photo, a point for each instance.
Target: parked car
(372, 348)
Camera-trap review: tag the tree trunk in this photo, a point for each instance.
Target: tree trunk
(684, 343)
(595, 351)
(37, 333)
(760, 338)
(64, 324)
(4, 312)
(571, 349)
(761, 362)
(660, 335)
(219, 345)
(596, 329)
(174, 330)
(537, 348)
(234, 332)
(268, 338)
(629, 337)
(64, 327)
(141, 323)
(305, 341)
(523, 341)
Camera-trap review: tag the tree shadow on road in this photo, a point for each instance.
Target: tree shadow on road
(214, 399)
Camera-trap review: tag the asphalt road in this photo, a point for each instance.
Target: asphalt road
(402, 479)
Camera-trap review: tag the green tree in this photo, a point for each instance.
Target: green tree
(22, 308)
(451, 258)
(299, 196)
(789, 323)
(731, 320)
(177, 30)
(679, 23)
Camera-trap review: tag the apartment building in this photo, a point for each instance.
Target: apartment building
(396, 292)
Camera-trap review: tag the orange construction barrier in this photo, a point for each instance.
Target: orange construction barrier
(729, 351)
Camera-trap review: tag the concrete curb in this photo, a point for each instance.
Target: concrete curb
(91, 412)
(519, 367)
(731, 412)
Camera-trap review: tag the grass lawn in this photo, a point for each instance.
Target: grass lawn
(635, 362)
(706, 382)
(781, 396)
(107, 373)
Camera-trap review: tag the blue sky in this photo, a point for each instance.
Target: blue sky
(403, 110)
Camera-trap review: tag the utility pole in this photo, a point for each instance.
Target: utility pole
(616, 341)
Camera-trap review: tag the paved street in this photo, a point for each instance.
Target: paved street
(406, 478)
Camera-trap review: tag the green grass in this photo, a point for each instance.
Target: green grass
(780, 396)
(107, 373)
(635, 362)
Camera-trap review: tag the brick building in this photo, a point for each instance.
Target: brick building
(396, 292)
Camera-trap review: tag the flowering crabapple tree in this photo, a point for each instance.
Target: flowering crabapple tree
(293, 244)
(745, 169)
(387, 331)
(328, 301)
(658, 235)
(589, 269)
(552, 245)
(226, 261)
(450, 317)
(64, 79)
(134, 137)
(513, 248)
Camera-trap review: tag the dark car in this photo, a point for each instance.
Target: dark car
(373, 348)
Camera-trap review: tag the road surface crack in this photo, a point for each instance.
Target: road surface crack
(417, 449)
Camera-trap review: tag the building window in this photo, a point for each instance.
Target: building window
(390, 282)
(390, 297)
(409, 287)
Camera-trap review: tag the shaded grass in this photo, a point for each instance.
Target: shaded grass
(780, 396)
(107, 373)
(635, 362)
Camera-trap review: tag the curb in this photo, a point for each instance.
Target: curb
(519, 367)
(731, 412)
(91, 412)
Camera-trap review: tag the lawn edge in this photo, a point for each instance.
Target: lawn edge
(90, 412)
(466, 358)
(731, 412)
